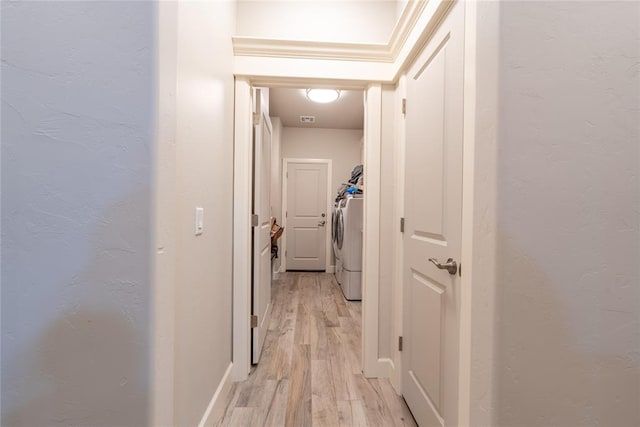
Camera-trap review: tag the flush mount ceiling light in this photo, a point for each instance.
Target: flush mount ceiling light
(323, 96)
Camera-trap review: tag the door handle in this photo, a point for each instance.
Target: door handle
(322, 223)
(451, 266)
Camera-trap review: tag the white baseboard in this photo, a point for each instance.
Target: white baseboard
(331, 269)
(394, 374)
(386, 367)
(380, 368)
(216, 407)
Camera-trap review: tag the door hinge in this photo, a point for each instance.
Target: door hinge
(399, 343)
(404, 106)
(286, 214)
(256, 119)
(254, 321)
(402, 225)
(285, 253)
(254, 220)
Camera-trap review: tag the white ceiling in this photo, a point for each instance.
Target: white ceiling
(345, 113)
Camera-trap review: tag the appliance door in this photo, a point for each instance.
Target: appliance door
(340, 230)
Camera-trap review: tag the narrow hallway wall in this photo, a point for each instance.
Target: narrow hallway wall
(77, 140)
(204, 170)
(568, 319)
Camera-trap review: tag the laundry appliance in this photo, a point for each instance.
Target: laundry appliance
(348, 242)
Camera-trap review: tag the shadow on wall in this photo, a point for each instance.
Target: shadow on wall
(85, 368)
(90, 365)
(561, 358)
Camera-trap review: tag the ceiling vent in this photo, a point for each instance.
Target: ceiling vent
(307, 119)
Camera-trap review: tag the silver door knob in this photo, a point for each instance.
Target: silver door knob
(322, 223)
(451, 266)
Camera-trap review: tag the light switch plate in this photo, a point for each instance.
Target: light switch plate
(199, 221)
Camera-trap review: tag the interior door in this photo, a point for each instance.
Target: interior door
(261, 283)
(306, 230)
(433, 221)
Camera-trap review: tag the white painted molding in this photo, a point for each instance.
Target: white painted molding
(386, 368)
(428, 19)
(242, 185)
(351, 73)
(255, 46)
(328, 246)
(374, 52)
(371, 231)
(398, 238)
(479, 230)
(217, 405)
(404, 26)
(355, 63)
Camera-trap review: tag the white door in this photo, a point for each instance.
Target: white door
(306, 213)
(433, 216)
(261, 283)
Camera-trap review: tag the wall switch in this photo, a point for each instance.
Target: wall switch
(199, 221)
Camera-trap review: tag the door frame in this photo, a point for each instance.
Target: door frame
(327, 249)
(372, 365)
(269, 64)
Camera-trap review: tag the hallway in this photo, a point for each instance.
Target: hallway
(310, 371)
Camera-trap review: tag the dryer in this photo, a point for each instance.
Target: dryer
(349, 274)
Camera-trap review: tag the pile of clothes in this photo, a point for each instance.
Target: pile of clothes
(355, 185)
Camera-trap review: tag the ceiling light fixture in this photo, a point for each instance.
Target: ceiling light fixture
(323, 96)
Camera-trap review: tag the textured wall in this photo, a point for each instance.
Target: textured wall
(568, 345)
(77, 130)
(368, 21)
(204, 177)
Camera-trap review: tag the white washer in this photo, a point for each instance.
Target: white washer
(350, 274)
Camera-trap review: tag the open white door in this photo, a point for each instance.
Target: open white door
(433, 225)
(306, 214)
(261, 283)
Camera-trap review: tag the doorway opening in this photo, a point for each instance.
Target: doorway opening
(318, 166)
(321, 155)
(317, 185)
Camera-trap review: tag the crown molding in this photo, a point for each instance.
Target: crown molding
(267, 47)
(407, 21)
(255, 46)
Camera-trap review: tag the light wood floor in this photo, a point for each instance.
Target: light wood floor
(310, 372)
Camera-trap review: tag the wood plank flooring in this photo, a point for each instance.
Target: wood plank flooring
(309, 372)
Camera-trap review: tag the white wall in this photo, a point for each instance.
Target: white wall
(568, 293)
(369, 21)
(204, 170)
(342, 146)
(77, 141)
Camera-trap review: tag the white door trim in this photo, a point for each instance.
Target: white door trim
(242, 192)
(285, 198)
(372, 365)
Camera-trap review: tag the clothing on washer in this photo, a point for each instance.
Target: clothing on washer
(354, 185)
